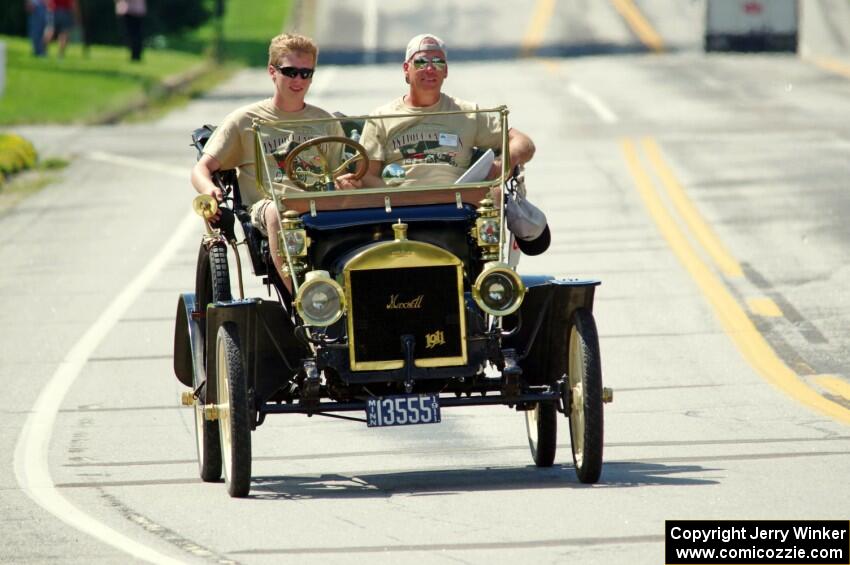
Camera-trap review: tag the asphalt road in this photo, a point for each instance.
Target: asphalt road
(659, 174)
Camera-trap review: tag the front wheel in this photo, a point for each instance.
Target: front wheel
(585, 382)
(541, 423)
(234, 421)
(212, 284)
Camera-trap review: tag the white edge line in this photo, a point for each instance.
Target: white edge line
(32, 450)
(602, 111)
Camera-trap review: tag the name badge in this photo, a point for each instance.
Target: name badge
(448, 140)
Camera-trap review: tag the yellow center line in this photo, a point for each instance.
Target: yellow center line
(834, 385)
(701, 230)
(537, 27)
(552, 65)
(639, 25)
(734, 320)
(763, 306)
(830, 65)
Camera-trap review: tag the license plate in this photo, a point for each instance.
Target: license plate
(403, 410)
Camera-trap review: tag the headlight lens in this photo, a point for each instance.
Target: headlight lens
(488, 231)
(295, 241)
(498, 290)
(320, 301)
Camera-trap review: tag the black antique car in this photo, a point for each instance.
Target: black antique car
(405, 303)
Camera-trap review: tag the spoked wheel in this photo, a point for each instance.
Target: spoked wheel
(234, 420)
(212, 284)
(541, 423)
(585, 383)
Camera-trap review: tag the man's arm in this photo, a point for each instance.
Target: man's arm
(202, 179)
(521, 150)
(373, 179)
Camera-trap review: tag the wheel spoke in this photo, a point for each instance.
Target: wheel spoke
(224, 409)
(345, 164)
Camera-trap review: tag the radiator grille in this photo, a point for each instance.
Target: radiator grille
(423, 302)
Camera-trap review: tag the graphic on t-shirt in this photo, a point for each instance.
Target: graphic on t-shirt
(422, 144)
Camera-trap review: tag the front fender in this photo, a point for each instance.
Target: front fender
(188, 343)
(543, 320)
(271, 355)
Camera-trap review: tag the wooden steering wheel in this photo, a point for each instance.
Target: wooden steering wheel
(326, 177)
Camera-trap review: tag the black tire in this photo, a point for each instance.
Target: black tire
(212, 284)
(585, 381)
(234, 416)
(212, 279)
(541, 424)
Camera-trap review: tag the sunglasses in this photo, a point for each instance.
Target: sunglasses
(422, 62)
(292, 72)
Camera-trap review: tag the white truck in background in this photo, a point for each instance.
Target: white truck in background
(751, 25)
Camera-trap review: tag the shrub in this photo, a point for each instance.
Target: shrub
(16, 154)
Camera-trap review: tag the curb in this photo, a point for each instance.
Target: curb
(169, 85)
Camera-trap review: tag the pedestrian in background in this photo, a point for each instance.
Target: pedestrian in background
(132, 12)
(60, 22)
(36, 24)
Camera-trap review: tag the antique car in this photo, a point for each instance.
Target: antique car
(405, 301)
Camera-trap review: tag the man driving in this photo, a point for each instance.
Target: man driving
(439, 149)
(292, 62)
(432, 149)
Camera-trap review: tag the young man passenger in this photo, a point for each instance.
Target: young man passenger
(292, 61)
(449, 138)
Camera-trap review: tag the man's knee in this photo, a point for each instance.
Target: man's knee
(272, 221)
(260, 213)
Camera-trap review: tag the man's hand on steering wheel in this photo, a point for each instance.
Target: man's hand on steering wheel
(348, 181)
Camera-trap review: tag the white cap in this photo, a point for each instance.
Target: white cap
(524, 219)
(424, 42)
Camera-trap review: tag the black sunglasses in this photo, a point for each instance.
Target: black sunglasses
(292, 72)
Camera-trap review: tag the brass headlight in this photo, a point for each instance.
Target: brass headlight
(320, 301)
(293, 234)
(488, 231)
(295, 242)
(498, 290)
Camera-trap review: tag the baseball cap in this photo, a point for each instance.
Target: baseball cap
(424, 42)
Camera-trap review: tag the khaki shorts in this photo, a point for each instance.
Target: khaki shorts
(258, 215)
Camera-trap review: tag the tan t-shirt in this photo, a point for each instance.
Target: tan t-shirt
(432, 149)
(232, 143)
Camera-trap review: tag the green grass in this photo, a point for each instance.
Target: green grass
(247, 27)
(209, 79)
(83, 88)
(80, 88)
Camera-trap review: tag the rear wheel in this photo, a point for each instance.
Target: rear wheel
(541, 423)
(585, 383)
(212, 284)
(234, 416)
